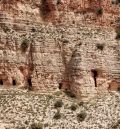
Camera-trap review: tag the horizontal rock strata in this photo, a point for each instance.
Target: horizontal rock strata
(52, 44)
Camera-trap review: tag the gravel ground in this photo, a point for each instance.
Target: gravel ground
(21, 109)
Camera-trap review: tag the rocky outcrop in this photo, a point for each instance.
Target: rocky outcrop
(60, 44)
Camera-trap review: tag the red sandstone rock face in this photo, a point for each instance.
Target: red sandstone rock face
(88, 9)
(64, 40)
(51, 10)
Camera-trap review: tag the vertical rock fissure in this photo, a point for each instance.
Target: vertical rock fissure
(1, 82)
(95, 75)
(14, 82)
(29, 83)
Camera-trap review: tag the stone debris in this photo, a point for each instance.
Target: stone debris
(19, 109)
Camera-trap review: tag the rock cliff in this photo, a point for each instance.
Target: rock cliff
(68, 44)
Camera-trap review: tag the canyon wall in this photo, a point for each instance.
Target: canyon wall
(64, 44)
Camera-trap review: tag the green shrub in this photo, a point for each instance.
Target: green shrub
(58, 104)
(81, 103)
(26, 122)
(57, 115)
(99, 11)
(81, 116)
(58, 93)
(65, 41)
(118, 35)
(115, 1)
(36, 126)
(33, 29)
(58, 1)
(100, 46)
(73, 107)
(5, 28)
(50, 96)
(24, 45)
(46, 125)
(70, 94)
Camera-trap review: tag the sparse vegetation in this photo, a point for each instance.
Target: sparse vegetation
(118, 35)
(58, 1)
(115, 1)
(26, 122)
(36, 126)
(58, 104)
(5, 28)
(70, 94)
(100, 46)
(46, 125)
(81, 103)
(50, 97)
(57, 115)
(33, 29)
(73, 107)
(24, 45)
(31, 108)
(116, 125)
(99, 11)
(81, 116)
(58, 93)
(65, 41)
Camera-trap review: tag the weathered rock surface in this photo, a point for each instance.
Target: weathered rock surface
(20, 109)
(72, 43)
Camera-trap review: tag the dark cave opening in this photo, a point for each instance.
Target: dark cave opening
(60, 85)
(95, 75)
(1, 82)
(29, 82)
(14, 82)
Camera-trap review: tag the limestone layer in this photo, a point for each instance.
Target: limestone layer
(60, 44)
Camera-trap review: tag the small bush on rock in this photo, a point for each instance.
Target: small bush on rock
(70, 94)
(33, 29)
(24, 45)
(57, 115)
(58, 93)
(46, 125)
(50, 97)
(73, 107)
(99, 11)
(58, 104)
(100, 46)
(5, 29)
(116, 125)
(81, 116)
(118, 35)
(36, 126)
(58, 1)
(115, 1)
(81, 103)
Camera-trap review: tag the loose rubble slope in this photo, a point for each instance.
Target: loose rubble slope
(20, 109)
